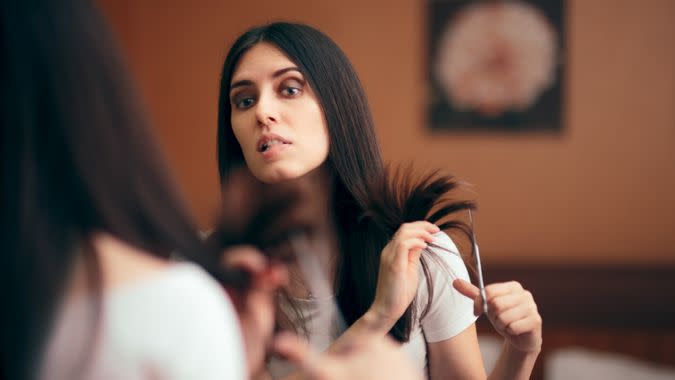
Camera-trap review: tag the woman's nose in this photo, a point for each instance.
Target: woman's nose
(266, 111)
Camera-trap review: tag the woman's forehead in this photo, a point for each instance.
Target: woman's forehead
(261, 60)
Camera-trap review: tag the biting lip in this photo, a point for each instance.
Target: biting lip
(268, 140)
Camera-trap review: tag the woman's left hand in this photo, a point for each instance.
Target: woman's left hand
(256, 305)
(511, 310)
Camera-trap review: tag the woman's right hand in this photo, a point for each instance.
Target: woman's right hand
(399, 273)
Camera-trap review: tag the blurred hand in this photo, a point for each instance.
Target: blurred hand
(399, 271)
(511, 310)
(256, 306)
(373, 357)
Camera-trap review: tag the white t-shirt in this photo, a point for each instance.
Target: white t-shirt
(176, 324)
(450, 312)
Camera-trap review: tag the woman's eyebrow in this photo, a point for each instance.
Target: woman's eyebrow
(283, 71)
(241, 83)
(276, 74)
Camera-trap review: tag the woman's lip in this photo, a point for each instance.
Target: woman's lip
(274, 151)
(270, 137)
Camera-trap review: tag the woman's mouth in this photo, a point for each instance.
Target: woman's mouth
(271, 146)
(264, 147)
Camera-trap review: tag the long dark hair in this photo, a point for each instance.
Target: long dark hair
(365, 220)
(77, 158)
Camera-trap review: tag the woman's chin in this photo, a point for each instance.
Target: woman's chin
(276, 175)
(285, 171)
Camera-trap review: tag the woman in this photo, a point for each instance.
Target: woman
(90, 218)
(290, 106)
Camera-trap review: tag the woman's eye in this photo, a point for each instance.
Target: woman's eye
(291, 91)
(291, 87)
(244, 103)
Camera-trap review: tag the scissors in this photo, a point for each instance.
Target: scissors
(481, 284)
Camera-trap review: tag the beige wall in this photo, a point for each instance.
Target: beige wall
(600, 192)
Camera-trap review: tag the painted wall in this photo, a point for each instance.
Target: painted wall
(603, 191)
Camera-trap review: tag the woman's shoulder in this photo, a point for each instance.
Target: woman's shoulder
(443, 264)
(128, 270)
(442, 254)
(177, 318)
(184, 289)
(449, 312)
(183, 305)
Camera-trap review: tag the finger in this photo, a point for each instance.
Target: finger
(502, 288)
(427, 226)
(529, 324)
(290, 346)
(405, 248)
(503, 303)
(295, 350)
(501, 320)
(414, 255)
(271, 279)
(466, 288)
(417, 230)
(278, 274)
(245, 257)
(470, 291)
(412, 243)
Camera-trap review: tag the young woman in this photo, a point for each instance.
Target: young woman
(290, 106)
(90, 218)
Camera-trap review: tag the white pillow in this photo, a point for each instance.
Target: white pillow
(584, 364)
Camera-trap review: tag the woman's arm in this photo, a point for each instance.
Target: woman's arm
(369, 357)
(513, 313)
(460, 358)
(369, 324)
(514, 364)
(456, 358)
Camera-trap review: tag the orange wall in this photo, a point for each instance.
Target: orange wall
(600, 192)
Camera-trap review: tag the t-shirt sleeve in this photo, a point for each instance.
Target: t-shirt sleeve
(210, 345)
(450, 312)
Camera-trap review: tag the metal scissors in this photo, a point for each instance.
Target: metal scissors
(479, 269)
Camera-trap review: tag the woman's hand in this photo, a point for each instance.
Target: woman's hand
(511, 310)
(256, 306)
(399, 273)
(369, 356)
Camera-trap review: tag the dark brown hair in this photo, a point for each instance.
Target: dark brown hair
(77, 159)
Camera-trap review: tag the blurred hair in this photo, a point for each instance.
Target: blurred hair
(77, 158)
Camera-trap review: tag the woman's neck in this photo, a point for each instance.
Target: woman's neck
(120, 264)
(316, 188)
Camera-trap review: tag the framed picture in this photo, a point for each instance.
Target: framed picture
(496, 65)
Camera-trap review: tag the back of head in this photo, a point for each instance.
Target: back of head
(77, 158)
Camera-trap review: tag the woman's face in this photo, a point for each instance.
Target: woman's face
(276, 116)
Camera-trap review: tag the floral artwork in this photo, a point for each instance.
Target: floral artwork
(496, 65)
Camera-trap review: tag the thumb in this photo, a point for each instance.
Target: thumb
(297, 351)
(466, 288)
(291, 347)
